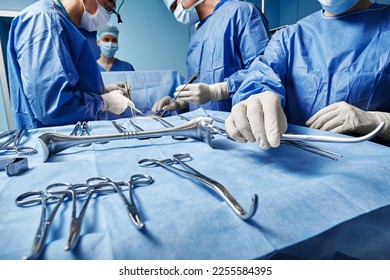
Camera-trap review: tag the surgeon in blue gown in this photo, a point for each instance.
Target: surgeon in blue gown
(53, 76)
(107, 40)
(329, 71)
(229, 36)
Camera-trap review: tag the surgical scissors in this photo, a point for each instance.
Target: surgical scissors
(135, 180)
(74, 189)
(15, 136)
(39, 197)
(191, 173)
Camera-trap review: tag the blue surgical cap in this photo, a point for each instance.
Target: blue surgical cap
(168, 3)
(107, 30)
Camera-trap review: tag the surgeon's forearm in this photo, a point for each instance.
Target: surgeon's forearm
(74, 106)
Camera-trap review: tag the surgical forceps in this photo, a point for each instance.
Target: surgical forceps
(76, 128)
(128, 95)
(84, 127)
(15, 136)
(191, 173)
(74, 189)
(85, 131)
(192, 79)
(121, 129)
(39, 197)
(135, 180)
(169, 125)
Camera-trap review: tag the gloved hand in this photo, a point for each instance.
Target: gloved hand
(163, 102)
(118, 86)
(202, 93)
(342, 117)
(260, 118)
(116, 103)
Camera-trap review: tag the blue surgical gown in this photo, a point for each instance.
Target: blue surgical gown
(224, 45)
(118, 65)
(53, 75)
(323, 60)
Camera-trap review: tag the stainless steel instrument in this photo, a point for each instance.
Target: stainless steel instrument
(200, 129)
(192, 79)
(193, 174)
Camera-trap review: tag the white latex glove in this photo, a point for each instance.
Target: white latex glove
(116, 103)
(260, 118)
(342, 117)
(202, 93)
(163, 102)
(118, 86)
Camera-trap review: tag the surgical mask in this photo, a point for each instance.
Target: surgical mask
(187, 16)
(94, 22)
(337, 6)
(108, 49)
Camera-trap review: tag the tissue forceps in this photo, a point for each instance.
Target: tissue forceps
(192, 79)
(121, 129)
(135, 180)
(74, 189)
(39, 197)
(138, 128)
(169, 125)
(15, 136)
(191, 173)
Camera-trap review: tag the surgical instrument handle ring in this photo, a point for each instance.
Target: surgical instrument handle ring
(44, 225)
